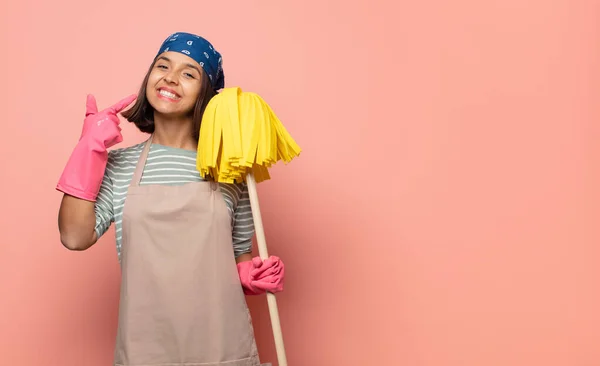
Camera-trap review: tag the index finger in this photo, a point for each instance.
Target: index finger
(90, 105)
(119, 106)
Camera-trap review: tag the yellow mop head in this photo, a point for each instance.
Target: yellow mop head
(239, 134)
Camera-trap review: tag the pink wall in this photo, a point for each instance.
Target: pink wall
(447, 198)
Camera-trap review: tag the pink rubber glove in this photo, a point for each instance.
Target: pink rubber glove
(244, 268)
(84, 171)
(258, 276)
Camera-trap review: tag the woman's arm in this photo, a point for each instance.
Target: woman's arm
(243, 225)
(76, 223)
(81, 222)
(243, 258)
(83, 179)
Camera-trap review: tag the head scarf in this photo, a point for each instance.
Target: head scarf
(201, 51)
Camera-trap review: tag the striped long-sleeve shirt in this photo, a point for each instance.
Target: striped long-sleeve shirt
(168, 166)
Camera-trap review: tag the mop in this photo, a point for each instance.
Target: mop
(240, 138)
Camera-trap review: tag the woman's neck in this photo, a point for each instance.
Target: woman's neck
(174, 133)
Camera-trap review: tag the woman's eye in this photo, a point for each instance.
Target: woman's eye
(161, 66)
(189, 75)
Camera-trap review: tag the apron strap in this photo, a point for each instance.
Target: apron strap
(139, 169)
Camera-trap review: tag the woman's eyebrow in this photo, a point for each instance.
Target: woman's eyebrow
(188, 65)
(194, 67)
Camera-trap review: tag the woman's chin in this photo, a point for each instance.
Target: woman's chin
(167, 110)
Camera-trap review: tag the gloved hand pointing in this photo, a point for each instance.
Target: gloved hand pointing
(84, 171)
(103, 127)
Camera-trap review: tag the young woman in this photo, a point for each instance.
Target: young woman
(183, 243)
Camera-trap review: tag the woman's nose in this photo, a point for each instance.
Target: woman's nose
(171, 78)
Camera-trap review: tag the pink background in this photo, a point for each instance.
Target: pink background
(444, 211)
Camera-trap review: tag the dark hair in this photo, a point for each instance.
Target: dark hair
(142, 113)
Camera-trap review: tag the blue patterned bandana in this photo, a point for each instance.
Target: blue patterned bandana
(201, 51)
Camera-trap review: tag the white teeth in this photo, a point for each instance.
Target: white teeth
(165, 93)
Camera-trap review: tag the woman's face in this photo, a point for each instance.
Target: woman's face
(174, 84)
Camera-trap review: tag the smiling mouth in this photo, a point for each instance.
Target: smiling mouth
(168, 95)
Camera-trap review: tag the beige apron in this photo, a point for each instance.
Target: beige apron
(181, 300)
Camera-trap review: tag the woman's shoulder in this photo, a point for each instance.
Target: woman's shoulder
(237, 189)
(125, 152)
(124, 159)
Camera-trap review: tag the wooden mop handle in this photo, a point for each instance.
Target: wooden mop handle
(263, 253)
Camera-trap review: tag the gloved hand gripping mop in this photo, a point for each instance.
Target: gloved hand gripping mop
(240, 138)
